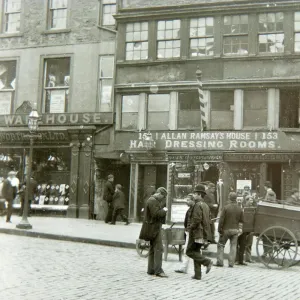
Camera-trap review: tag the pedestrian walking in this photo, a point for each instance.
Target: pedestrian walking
(210, 200)
(108, 197)
(199, 232)
(9, 192)
(185, 260)
(118, 204)
(155, 214)
(230, 226)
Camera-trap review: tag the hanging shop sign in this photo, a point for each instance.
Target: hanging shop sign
(203, 157)
(211, 140)
(59, 119)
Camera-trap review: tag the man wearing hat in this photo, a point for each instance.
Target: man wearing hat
(155, 214)
(9, 192)
(294, 198)
(230, 227)
(199, 232)
(108, 196)
(270, 194)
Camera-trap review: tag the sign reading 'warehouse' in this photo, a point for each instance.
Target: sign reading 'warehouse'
(210, 140)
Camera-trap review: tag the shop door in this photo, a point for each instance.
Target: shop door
(274, 175)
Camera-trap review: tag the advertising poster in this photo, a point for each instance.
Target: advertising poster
(5, 103)
(57, 101)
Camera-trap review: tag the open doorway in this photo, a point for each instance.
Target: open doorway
(274, 176)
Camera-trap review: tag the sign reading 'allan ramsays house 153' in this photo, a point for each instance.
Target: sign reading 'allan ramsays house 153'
(59, 119)
(213, 141)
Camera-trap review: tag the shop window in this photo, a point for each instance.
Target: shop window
(271, 35)
(255, 108)
(108, 8)
(235, 40)
(168, 39)
(58, 14)
(106, 71)
(137, 41)
(297, 31)
(56, 84)
(202, 37)
(189, 110)
(289, 109)
(7, 86)
(221, 114)
(11, 16)
(130, 109)
(158, 111)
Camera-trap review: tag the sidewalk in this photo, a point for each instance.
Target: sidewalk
(87, 231)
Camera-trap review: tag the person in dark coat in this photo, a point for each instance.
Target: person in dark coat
(31, 193)
(249, 238)
(210, 200)
(199, 232)
(9, 192)
(118, 204)
(294, 198)
(108, 197)
(230, 227)
(155, 213)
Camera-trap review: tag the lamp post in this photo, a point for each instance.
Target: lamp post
(33, 127)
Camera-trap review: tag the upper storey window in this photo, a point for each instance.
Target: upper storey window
(12, 15)
(202, 37)
(58, 14)
(235, 41)
(297, 31)
(271, 36)
(168, 39)
(137, 41)
(108, 9)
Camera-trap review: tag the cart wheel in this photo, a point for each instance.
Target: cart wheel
(142, 247)
(277, 247)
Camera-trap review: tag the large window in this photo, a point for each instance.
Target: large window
(221, 114)
(158, 111)
(7, 86)
(289, 108)
(130, 109)
(106, 71)
(255, 108)
(202, 37)
(11, 16)
(297, 31)
(235, 41)
(56, 84)
(58, 14)
(271, 36)
(188, 110)
(137, 41)
(108, 9)
(168, 39)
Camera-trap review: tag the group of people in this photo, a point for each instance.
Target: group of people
(11, 187)
(115, 198)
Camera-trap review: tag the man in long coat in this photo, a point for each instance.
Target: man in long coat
(199, 232)
(155, 214)
(118, 204)
(108, 196)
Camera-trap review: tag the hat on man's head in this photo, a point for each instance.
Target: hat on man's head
(110, 176)
(200, 188)
(294, 190)
(162, 191)
(232, 196)
(211, 185)
(12, 173)
(268, 184)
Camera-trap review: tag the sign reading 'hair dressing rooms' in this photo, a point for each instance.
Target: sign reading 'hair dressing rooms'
(212, 140)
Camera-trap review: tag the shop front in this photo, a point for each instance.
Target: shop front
(62, 160)
(231, 160)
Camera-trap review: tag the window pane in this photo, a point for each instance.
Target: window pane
(7, 74)
(158, 120)
(106, 66)
(59, 3)
(12, 22)
(189, 110)
(222, 100)
(221, 120)
(58, 72)
(130, 103)
(106, 94)
(108, 11)
(12, 6)
(6, 99)
(129, 121)
(159, 102)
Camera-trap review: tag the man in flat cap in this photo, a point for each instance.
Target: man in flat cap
(230, 227)
(198, 226)
(108, 196)
(9, 192)
(155, 214)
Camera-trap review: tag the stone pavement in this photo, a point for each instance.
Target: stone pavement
(41, 269)
(87, 231)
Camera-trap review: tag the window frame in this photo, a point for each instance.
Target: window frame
(50, 19)
(3, 19)
(100, 83)
(43, 83)
(235, 35)
(101, 14)
(296, 32)
(137, 113)
(13, 91)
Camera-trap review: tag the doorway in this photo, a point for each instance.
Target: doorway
(274, 176)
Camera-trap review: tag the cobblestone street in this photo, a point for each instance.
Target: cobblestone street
(34, 268)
